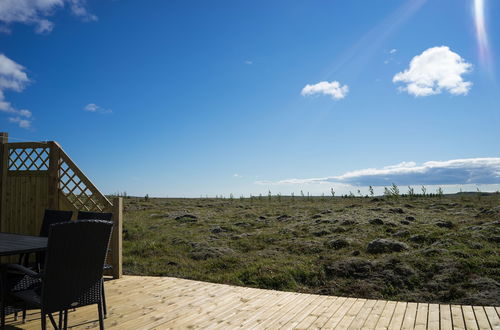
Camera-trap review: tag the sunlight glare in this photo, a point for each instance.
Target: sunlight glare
(481, 33)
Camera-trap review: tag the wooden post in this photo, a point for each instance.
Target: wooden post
(4, 163)
(116, 239)
(53, 172)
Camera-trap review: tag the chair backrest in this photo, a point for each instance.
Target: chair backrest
(53, 216)
(74, 264)
(83, 215)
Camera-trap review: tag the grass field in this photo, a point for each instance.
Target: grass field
(424, 249)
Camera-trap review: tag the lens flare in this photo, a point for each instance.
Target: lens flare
(481, 33)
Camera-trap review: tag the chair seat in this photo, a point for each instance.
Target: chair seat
(17, 281)
(31, 297)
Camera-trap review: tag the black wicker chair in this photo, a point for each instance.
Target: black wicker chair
(83, 215)
(73, 271)
(22, 281)
(50, 217)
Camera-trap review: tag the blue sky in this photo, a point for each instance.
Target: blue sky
(191, 98)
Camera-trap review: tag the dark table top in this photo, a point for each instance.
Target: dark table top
(11, 244)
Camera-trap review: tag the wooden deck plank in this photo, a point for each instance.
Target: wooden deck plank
(433, 317)
(136, 302)
(421, 318)
(351, 314)
(339, 314)
(398, 316)
(285, 308)
(297, 306)
(279, 319)
(247, 314)
(445, 317)
(272, 311)
(469, 318)
(374, 315)
(410, 316)
(323, 318)
(299, 317)
(362, 315)
(493, 317)
(481, 318)
(457, 317)
(386, 316)
(265, 311)
(316, 313)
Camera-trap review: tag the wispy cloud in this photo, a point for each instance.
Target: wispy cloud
(451, 172)
(236, 175)
(433, 71)
(92, 107)
(36, 12)
(248, 62)
(391, 56)
(23, 123)
(333, 89)
(78, 8)
(13, 77)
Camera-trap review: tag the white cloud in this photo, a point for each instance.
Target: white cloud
(451, 172)
(78, 8)
(248, 62)
(23, 123)
(236, 175)
(35, 12)
(433, 71)
(392, 51)
(333, 89)
(13, 77)
(92, 107)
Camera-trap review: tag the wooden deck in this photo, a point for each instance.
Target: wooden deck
(137, 302)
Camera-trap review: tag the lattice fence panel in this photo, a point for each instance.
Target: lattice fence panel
(28, 159)
(79, 194)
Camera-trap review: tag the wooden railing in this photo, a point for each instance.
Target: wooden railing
(35, 176)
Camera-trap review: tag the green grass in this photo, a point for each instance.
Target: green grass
(286, 244)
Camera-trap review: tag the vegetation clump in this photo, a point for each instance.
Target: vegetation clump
(382, 245)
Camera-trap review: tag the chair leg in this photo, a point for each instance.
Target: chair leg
(60, 320)
(65, 319)
(104, 309)
(101, 316)
(24, 315)
(44, 321)
(2, 316)
(51, 318)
